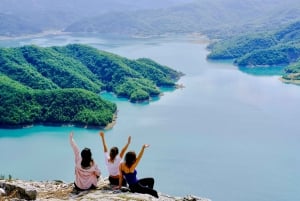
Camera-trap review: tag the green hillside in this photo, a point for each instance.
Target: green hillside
(61, 85)
(276, 48)
(292, 73)
(280, 47)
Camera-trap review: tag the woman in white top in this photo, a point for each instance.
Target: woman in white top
(113, 160)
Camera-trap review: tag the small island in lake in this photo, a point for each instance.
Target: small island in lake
(61, 85)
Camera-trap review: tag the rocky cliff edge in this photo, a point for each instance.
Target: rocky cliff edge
(18, 190)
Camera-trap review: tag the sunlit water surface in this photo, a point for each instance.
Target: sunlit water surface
(229, 134)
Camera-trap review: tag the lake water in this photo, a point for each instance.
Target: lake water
(229, 135)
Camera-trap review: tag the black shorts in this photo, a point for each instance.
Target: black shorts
(79, 189)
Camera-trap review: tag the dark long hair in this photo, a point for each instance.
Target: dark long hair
(86, 156)
(130, 158)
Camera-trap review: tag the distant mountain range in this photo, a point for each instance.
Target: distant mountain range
(31, 16)
(215, 18)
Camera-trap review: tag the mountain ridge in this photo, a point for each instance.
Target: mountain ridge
(213, 18)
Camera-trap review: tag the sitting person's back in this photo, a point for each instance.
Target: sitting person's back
(127, 170)
(113, 160)
(86, 170)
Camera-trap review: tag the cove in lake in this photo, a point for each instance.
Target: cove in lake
(228, 135)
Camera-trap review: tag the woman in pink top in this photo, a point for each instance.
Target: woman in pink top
(86, 170)
(113, 160)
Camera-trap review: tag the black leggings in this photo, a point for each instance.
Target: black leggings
(115, 181)
(144, 186)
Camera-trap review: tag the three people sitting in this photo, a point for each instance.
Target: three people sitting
(87, 172)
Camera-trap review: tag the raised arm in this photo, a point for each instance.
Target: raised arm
(139, 156)
(74, 147)
(103, 141)
(125, 147)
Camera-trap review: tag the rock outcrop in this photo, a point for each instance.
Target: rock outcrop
(58, 190)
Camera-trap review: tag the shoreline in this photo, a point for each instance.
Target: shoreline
(194, 37)
(113, 123)
(23, 126)
(40, 34)
(286, 81)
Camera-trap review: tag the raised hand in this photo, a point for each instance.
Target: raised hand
(129, 139)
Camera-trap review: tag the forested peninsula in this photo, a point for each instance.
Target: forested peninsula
(273, 48)
(61, 84)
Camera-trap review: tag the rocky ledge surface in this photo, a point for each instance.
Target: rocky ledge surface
(17, 190)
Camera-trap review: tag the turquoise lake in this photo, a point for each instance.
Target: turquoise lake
(229, 135)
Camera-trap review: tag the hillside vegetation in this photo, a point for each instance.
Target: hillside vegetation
(61, 85)
(276, 48)
(216, 18)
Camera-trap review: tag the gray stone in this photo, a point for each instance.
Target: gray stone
(19, 192)
(191, 198)
(59, 191)
(2, 191)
